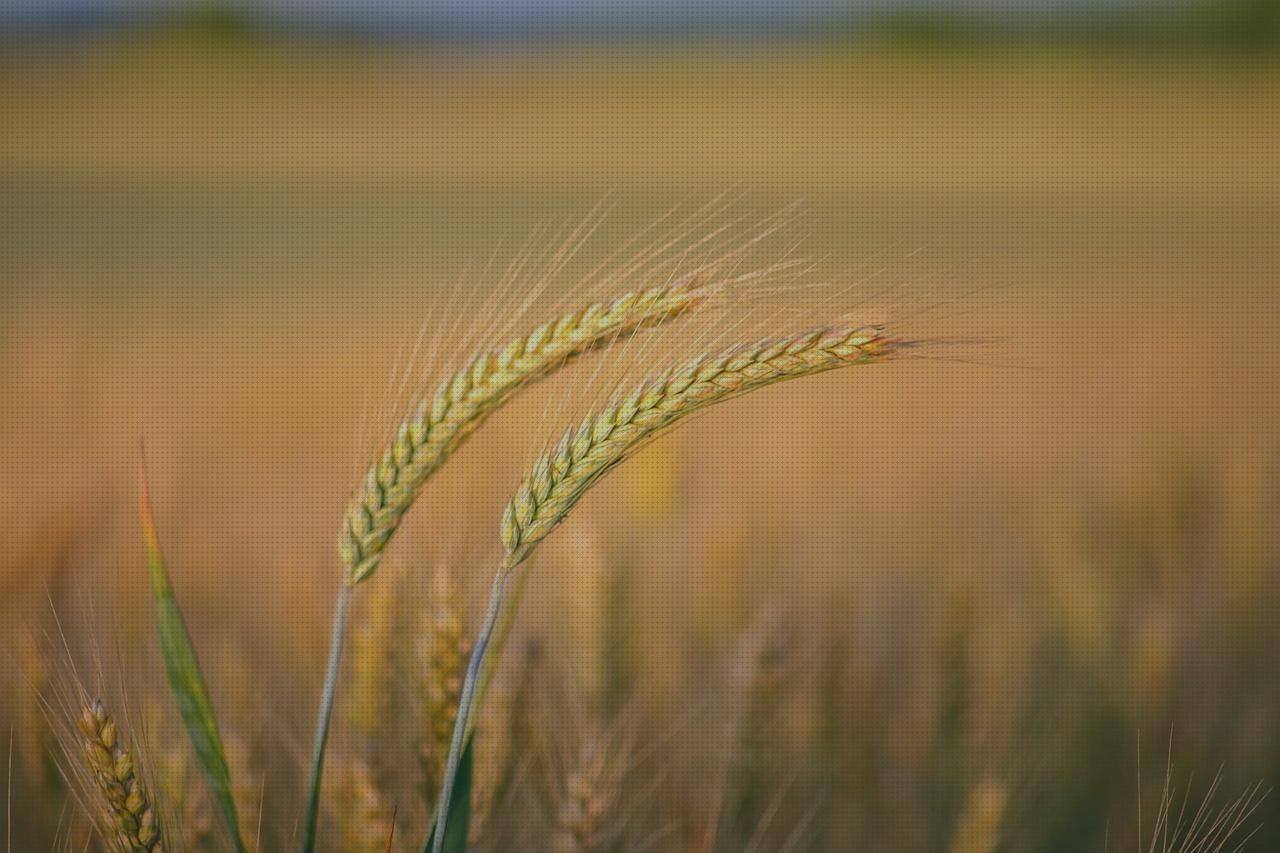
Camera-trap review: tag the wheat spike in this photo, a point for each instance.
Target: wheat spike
(586, 814)
(443, 663)
(363, 814)
(128, 807)
(372, 663)
(602, 440)
(978, 827)
(463, 401)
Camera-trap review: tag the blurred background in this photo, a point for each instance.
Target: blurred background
(1007, 598)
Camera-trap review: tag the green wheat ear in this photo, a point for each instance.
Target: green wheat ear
(463, 401)
(183, 670)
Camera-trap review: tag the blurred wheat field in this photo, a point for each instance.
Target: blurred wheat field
(898, 606)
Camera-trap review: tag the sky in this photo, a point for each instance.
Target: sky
(497, 15)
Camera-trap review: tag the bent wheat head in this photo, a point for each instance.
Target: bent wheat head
(464, 400)
(603, 440)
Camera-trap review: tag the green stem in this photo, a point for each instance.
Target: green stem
(326, 712)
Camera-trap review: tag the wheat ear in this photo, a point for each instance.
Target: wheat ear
(372, 663)
(363, 815)
(444, 650)
(562, 476)
(128, 806)
(586, 814)
(464, 400)
(601, 441)
(192, 824)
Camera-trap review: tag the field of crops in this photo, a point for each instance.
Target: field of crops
(987, 598)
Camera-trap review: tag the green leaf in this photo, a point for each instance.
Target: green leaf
(459, 823)
(183, 670)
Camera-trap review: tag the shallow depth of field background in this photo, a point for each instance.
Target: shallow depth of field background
(996, 597)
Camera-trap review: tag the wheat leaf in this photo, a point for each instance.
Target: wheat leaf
(183, 670)
(458, 824)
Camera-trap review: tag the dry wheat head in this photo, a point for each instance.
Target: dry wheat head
(132, 818)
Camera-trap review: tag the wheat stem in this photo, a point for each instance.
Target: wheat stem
(327, 694)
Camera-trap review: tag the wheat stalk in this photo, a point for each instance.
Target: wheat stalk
(127, 805)
(562, 476)
(464, 400)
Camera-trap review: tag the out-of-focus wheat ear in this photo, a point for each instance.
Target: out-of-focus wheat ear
(443, 654)
(464, 400)
(978, 828)
(362, 814)
(604, 440)
(372, 650)
(36, 742)
(183, 669)
(133, 821)
(586, 816)
(509, 728)
(188, 815)
(756, 693)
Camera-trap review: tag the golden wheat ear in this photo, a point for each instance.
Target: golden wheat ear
(443, 651)
(125, 801)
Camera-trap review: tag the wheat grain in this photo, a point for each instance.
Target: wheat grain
(132, 818)
(464, 400)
